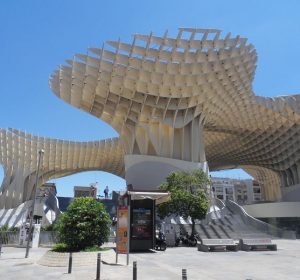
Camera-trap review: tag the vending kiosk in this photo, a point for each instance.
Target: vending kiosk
(142, 232)
(142, 217)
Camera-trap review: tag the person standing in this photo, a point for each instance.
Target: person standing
(106, 190)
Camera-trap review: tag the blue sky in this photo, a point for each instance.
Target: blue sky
(36, 36)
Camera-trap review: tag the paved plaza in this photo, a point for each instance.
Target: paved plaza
(281, 264)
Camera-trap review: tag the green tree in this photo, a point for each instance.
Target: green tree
(188, 195)
(85, 224)
(4, 228)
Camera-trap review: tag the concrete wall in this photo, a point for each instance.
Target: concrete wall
(273, 210)
(148, 172)
(291, 193)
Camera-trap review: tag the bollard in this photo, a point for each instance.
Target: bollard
(98, 266)
(184, 275)
(134, 271)
(70, 263)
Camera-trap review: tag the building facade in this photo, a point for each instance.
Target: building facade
(83, 191)
(242, 191)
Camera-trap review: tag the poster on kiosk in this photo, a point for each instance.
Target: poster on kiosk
(123, 231)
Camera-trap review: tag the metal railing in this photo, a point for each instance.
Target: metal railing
(219, 203)
(112, 235)
(257, 224)
(216, 213)
(48, 238)
(9, 237)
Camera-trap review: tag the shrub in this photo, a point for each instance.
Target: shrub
(15, 229)
(95, 249)
(4, 228)
(60, 247)
(48, 227)
(85, 224)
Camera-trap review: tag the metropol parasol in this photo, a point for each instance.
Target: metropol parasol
(177, 103)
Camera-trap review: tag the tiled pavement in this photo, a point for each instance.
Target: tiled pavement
(281, 264)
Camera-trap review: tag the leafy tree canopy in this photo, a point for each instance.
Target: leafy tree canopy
(188, 195)
(4, 228)
(85, 224)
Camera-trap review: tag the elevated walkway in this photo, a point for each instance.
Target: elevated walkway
(282, 209)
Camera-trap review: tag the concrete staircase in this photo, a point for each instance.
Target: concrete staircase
(229, 226)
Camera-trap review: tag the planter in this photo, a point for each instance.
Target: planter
(52, 258)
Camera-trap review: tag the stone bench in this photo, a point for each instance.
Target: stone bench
(257, 244)
(207, 245)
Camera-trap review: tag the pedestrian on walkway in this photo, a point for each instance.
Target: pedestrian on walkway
(106, 190)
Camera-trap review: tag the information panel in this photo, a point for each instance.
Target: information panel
(122, 230)
(141, 223)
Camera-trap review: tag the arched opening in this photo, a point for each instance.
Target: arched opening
(56, 194)
(231, 173)
(65, 185)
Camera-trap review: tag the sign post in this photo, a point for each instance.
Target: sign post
(123, 217)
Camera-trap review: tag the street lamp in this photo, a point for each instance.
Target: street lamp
(41, 153)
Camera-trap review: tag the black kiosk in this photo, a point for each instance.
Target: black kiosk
(142, 217)
(142, 231)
